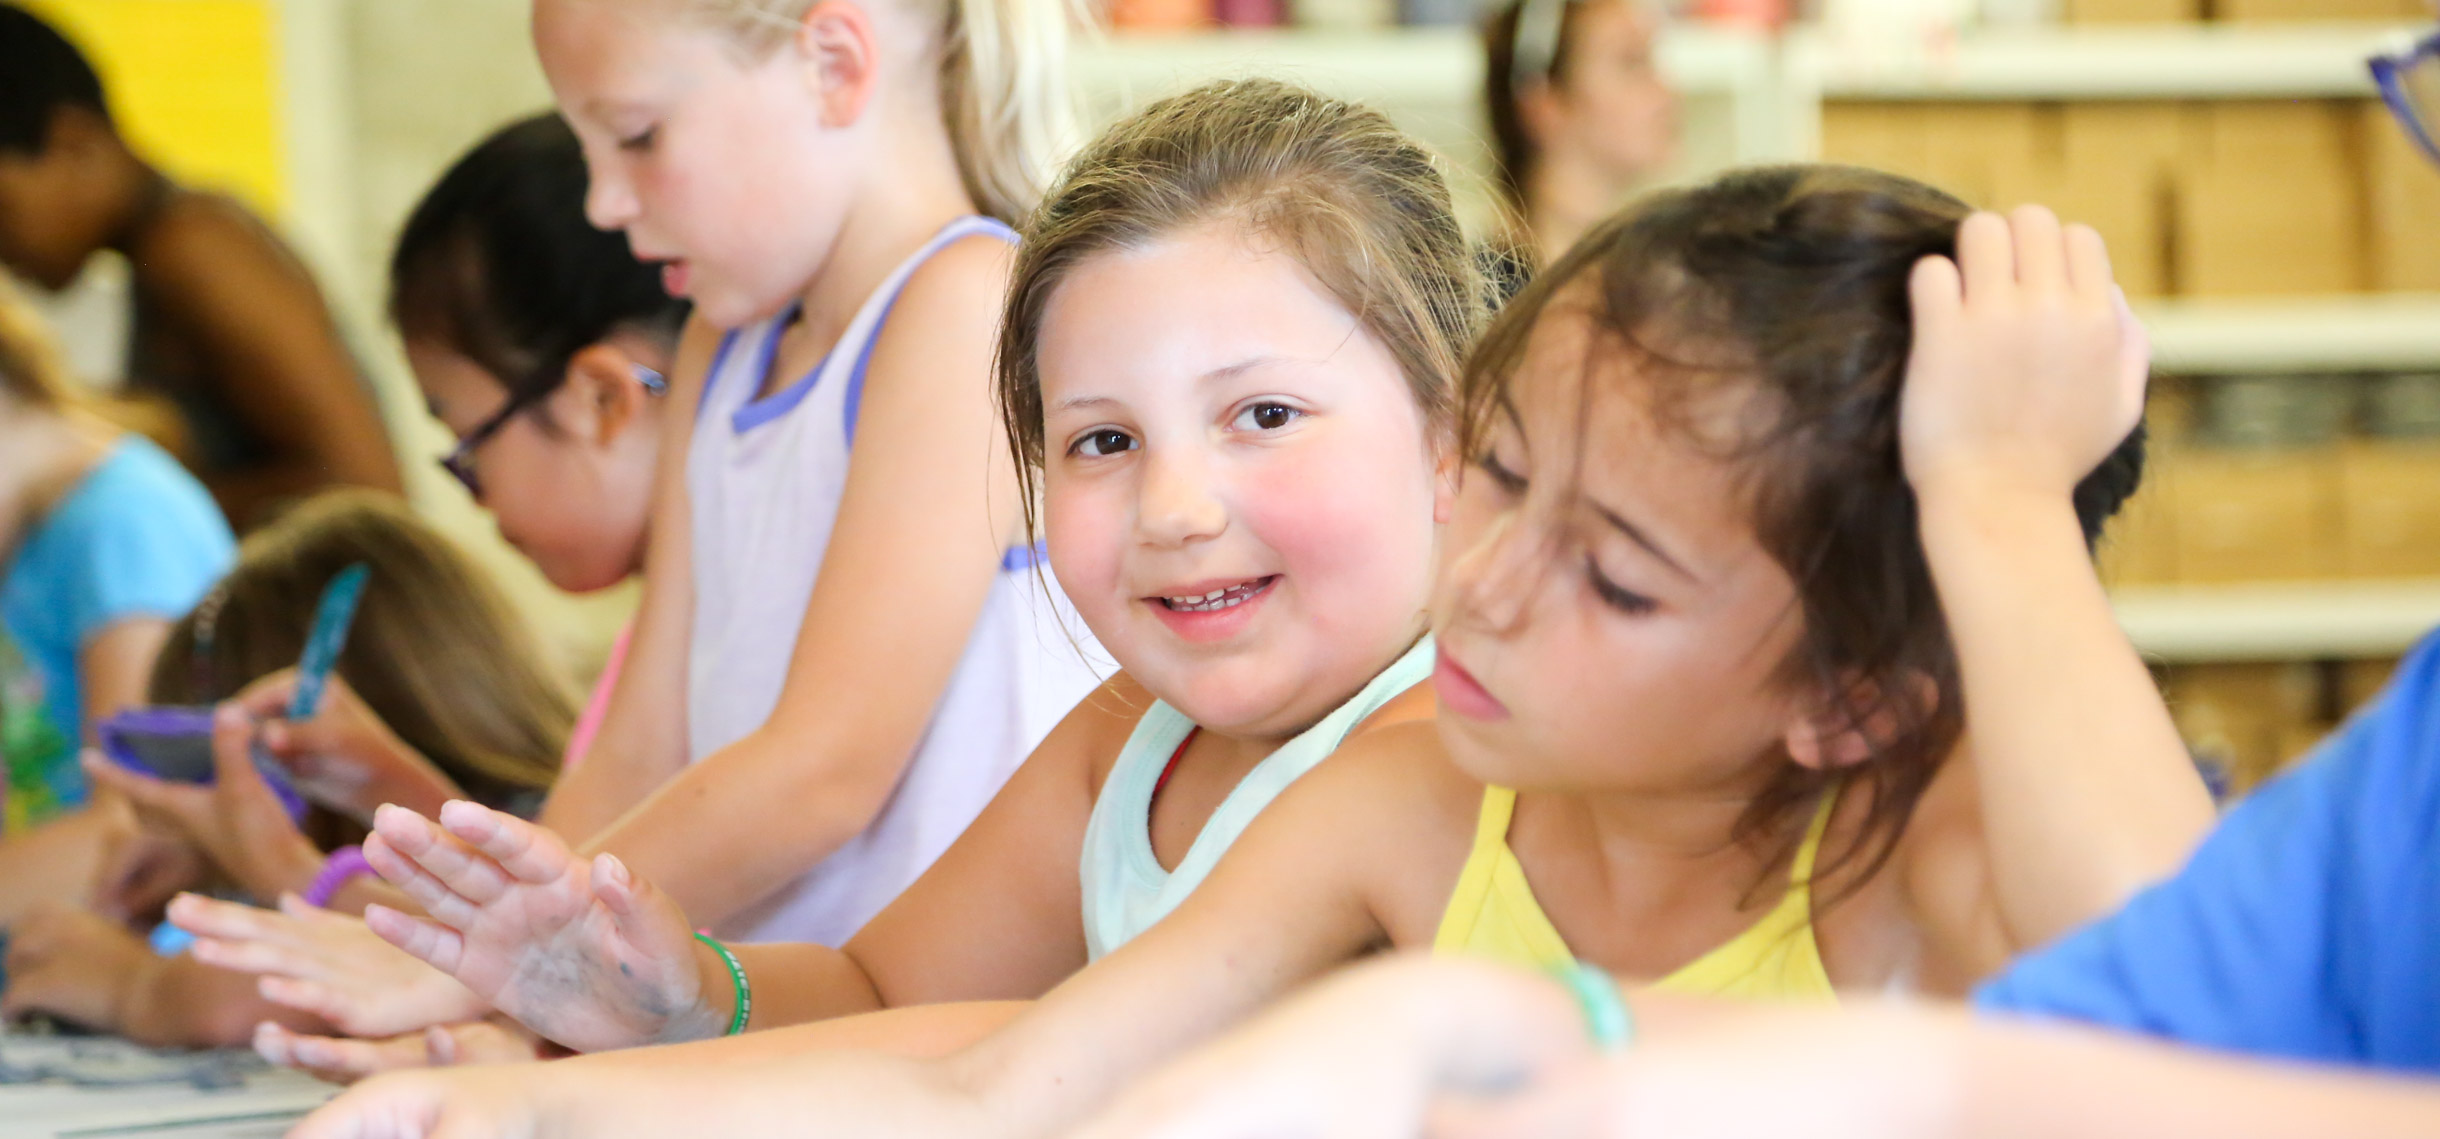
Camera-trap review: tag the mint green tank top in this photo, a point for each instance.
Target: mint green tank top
(1125, 889)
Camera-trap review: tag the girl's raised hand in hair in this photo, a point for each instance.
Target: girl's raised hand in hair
(578, 950)
(328, 964)
(2028, 368)
(2027, 373)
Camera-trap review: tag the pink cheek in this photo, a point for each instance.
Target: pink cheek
(1334, 521)
(1085, 533)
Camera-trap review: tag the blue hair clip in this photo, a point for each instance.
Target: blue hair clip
(654, 382)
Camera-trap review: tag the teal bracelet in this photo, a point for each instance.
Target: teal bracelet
(737, 977)
(1605, 1012)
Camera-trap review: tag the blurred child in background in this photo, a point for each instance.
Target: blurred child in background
(1580, 119)
(435, 653)
(104, 541)
(229, 326)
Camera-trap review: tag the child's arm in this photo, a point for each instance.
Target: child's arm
(325, 964)
(88, 970)
(2025, 374)
(254, 314)
(998, 917)
(114, 666)
(1298, 893)
(642, 740)
(929, 505)
(1467, 1050)
(587, 955)
(1921, 1073)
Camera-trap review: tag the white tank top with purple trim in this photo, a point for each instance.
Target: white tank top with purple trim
(764, 477)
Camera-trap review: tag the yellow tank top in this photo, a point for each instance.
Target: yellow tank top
(1493, 914)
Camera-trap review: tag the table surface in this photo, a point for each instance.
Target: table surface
(90, 1087)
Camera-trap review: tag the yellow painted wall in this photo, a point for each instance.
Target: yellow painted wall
(194, 85)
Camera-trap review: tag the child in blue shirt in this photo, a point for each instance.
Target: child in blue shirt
(104, 540)
(2307, 926)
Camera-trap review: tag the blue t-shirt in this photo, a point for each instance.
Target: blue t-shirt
(2307, 926)
(137, 537)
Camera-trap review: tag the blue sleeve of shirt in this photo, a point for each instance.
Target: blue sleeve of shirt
(2307, 926)
(141, 539)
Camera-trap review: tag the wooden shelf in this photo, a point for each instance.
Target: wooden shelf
(2367, 333)
(1392, 66)
(2279, 621)
(2133, 62)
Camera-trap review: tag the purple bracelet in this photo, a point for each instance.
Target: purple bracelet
(344, 865)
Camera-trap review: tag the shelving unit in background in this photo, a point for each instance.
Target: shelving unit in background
(2325, 620)
(1429, 80)
(2277, 621)
(1754, 99)
(2134, 61)
(2392, 332)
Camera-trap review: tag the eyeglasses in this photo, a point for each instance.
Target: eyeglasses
(459, 462)
(2410, 84)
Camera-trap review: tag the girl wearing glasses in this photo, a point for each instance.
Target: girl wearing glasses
(540, 342)
(1579, 119)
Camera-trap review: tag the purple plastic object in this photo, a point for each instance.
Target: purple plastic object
(174, 742)
(343, 866)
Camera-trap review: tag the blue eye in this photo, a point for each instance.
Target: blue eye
(1102, 441)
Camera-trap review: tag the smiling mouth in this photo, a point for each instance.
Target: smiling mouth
(1219, 599)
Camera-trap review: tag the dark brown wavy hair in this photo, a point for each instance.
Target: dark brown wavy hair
(1791, 282)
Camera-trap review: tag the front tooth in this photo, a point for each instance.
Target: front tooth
(1213, 594)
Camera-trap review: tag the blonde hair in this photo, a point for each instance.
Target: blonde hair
(436, 651)
(1362, 206)
(1005, 96)
(34, 373)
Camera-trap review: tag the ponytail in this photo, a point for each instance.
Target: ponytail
(1005, 95)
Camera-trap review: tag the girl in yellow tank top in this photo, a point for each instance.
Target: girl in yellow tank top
(1681, 591)
(1493, 914)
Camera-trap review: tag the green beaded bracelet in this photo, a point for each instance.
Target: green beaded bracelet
(737, 977)
(1605, 1012)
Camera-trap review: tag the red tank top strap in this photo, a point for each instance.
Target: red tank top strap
(1171, 769)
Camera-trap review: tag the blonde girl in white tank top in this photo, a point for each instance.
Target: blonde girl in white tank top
(833, 668)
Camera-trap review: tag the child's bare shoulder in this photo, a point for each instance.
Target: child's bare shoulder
(200, 238)
(1101, 723)
(964, 275)
(1397, 769)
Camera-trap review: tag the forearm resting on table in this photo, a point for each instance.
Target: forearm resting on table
(2073, 747)
(181, 1002)
(915, 1032)
(793, 983)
